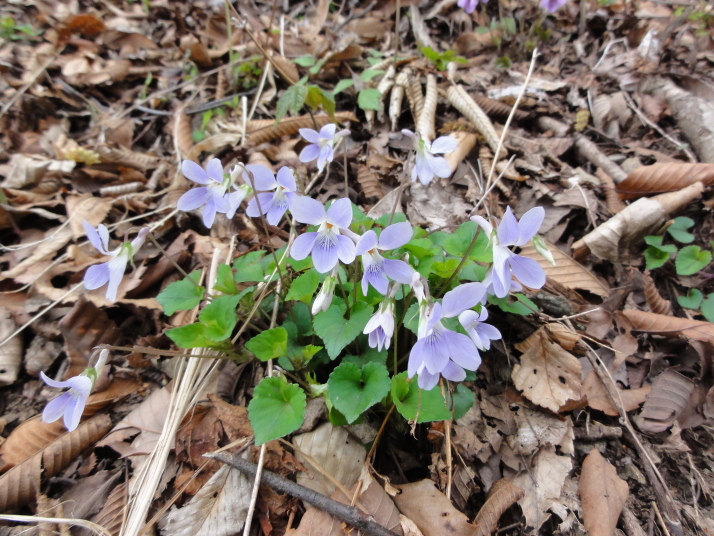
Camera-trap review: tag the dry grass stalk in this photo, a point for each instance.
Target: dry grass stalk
(463, 102)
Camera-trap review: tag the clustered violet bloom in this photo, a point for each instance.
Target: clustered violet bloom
(321, 144)
(439, 350)
(376, 268)
(380, 327)
(71, 403)
(469, 5)
(482, 334)
(552, 5)
(507, 264)
(328, 244)
(111, 271)
(272, 203)
(427, 165)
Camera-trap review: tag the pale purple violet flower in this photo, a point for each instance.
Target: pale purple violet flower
(272, 203)
(469, 5)
(439, 350)
(111, 271)
(377, 269)
(212, 195)
(427, 165)
(321, 144)
(71, 403)
(552, 5)
(481, 333)
(507, 264)
(380, 327)
(328, 244)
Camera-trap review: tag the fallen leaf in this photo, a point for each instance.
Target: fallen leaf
(603, 495)
(548, 375)
(11, 351)
(598, 398)
(669, 396)
(670, 326)
(502, 496)
(666, 177)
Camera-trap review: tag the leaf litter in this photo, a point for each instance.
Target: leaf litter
(97, 100)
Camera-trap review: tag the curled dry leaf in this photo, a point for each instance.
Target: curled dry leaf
(669, 396)
(262, 130)
(657, 303)
(425, 125)
(396, 97)
(612, 200)
(183, 137)
(548, 375)
(11, 351)
(667, 177)
(462, 101)
(415, 97)
(671, 326)
(466, 142)
(212, 144)
(369, 182)
(496, 108)
(634, 222)
(126, 157)
(21, 483)
(603, 495)
(567, 271)
(599, 399)
(34, 434)
(431, 511)
(502, 496)
(111, 515)
(337, 454)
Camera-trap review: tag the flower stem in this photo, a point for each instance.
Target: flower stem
(460, 266)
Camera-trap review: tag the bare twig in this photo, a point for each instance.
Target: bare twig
(348, 514)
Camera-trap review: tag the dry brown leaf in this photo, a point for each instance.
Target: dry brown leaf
(603, 495)
(21, 483)
(431, 511)
(656, 303)
(612, 200)
(501, 497)
(425, 125)
(669, 396)
(337, 454)
(34, 434)
(542, 484)
(567, 271)
(54, 239)
(262, 130)
(634, 222)
(126, 157)
(111, 515)
(462, 101)
(599, 399)
(414, 93)
(667, 177)
(671, 326)
(548, 375)
(212, 144)
(11, 351)
(181, 130)
(496, 108)
(369, 182)
(537, 429)
(466, 142)
(86, 207)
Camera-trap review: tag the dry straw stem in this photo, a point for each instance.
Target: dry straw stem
(462, 101)
(191, 376)
(396, 97)
(425, 126)
(631, 224)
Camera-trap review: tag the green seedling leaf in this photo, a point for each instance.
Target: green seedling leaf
(276, 410)
(190, 336)
(316, 98)
(369, 99)
(678, 230)
(342, 85)
(336, 331)
(708, 307)
(691, 259)
(692, 300)
(353, 390)
(269, 344)
(225, 282)
(414, 403)
(220, 317)
(304, 286)
(305, 61)
(182, 295)
(655, 258)
(368, 74)
(292, 100)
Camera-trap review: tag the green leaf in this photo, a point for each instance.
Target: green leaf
(304, 286)
(369, 99)
(655, 257)
(414, 403)
(457, 243)
(691, 259)
(336, 331)
(269, 344)
(292, 100)
(521, 306)
(411, 318)
(370, 355)
(305, 61)
(678, 230)
(190, 336)
(316, 68)
(708, 307)
(354, 390)
(656, 242)
(461, 401)
(346, 83)
(316, 97)
(224, 280)
(220, 317)
(368, 74)
(692, 300)
(276, 410)
(182, 295)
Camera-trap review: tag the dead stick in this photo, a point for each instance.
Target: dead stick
(348, 514)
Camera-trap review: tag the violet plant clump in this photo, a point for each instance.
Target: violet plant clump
(410, 313)
(321, 144)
